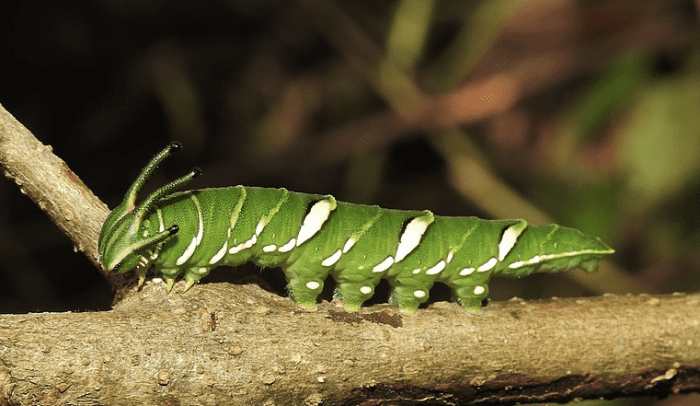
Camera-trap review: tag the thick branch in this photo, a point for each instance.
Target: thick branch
(48, 181)
(230, 344)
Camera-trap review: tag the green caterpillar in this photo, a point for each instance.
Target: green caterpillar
(311, 236)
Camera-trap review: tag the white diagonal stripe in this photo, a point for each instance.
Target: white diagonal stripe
(411, 237)
(314, 220)
(509, 238)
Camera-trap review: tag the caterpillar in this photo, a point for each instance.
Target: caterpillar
(188, 233)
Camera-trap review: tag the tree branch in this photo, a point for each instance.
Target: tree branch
(231, 344)
(50, 183)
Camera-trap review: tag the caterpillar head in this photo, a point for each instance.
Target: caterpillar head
(122, 246)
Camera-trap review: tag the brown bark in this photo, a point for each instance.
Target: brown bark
(50, 183)
(230, 344)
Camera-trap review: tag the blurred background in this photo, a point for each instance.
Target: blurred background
(583, 113)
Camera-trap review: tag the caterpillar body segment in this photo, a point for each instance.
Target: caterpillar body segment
(186, 234)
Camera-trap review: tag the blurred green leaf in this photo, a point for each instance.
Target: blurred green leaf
(589, 207)
(477, 34)
(409, 31)
(613, 88)
(659, 146)
(612, 91)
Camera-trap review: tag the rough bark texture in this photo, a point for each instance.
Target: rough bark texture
(230, 344)
(50, 183)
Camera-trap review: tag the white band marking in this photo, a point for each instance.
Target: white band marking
(260, 227)
(332, 259)
(197, 239)
(314, 220)
(488, 265)
(244, 246)
(509, 238)
(436, 269)
(200, 223)
(220, 254)
(348, 244)
(384, 265)
(188, 252)
(161, 223)
(466, 271)
(411, 237)
(288, 246)
(541, 258)
(534, 260)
